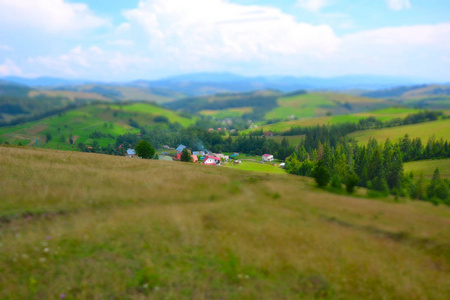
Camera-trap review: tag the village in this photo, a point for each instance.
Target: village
(205, 157)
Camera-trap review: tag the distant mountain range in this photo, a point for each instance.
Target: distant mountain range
(211, 83)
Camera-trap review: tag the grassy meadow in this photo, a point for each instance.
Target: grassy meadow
(438, 129)
(318, 104)
(90, 226)
(385, 114)
(110, 119)
(427, 167)
(227, 113)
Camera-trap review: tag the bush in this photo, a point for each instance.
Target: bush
(321, 175)
(350, 182)
(144, 149)
(336, 182)
(186, 155)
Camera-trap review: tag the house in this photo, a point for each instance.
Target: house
(211, 160)
(131, 153)
(166, 147)
(194, 158)
(267, 157)
(180, 148)
(268, 133)
(220, 156)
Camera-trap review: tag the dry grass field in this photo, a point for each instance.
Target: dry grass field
(88, 226)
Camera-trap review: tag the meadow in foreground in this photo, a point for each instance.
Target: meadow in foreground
(89, 226)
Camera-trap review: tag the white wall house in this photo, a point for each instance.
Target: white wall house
(267, 157)
(211, 160)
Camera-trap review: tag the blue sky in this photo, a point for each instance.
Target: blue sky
(111, 40)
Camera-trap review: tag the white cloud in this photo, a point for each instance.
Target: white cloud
(398, 4)
(8, 68)
(6, 48)
(313, 5)
(53, 16)
(219, 30)
(86, 63)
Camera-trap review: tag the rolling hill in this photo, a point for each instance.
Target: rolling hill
(427, 167)
(84, 226)
(431, 96)
(319, 104)
(384, 114)
(437, 129)
(109, 119)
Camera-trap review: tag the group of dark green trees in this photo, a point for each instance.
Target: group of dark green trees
(379, 167)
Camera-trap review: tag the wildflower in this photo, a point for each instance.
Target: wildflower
(42, 259)
(247, 277)
(63, 296)
(46, 250)
(47, 237)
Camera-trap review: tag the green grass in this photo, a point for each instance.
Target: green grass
(318, 104)
(385, 114)
(227, 113)
(438, 129)
(427, 167)
(91, 226)
(253, 166)
(109, 119)
(147, 109)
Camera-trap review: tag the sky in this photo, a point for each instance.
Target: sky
(112, 40)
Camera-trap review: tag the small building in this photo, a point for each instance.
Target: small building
(220, 156)
(267, 157)
(131, 153)
(268, 133)
(194, 158)
(165, 147)
(282, 165)
(211, 160)
(180, 148)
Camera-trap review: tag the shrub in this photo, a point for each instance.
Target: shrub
(350, 182)
(144, 149)
(336, 182)
(321, 175)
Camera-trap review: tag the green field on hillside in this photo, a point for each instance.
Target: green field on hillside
(110, 120)
(427, 167)
(384, 114)
(257, 166)
(227, 113)
(318, 104)
(88, 226)
(438, 129)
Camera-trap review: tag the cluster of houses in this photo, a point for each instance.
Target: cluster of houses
(204, 156)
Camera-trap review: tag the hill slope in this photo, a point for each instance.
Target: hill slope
(93, 226)
(438, 129)
(110, 119)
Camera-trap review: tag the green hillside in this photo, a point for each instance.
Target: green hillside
(109, 119)
(385, 114)
(422, 96)
(427, 167)
(127, 93)
(88, 226)
(319, 104)
(438, 129)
